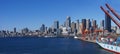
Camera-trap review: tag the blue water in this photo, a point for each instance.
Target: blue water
(34, 45)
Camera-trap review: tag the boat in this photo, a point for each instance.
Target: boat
(115, 47)
(75, 37)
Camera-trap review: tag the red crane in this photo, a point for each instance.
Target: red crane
(112, 10)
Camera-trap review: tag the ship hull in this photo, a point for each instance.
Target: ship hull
(112, 48)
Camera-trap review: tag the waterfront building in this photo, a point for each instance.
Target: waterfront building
(107, 23)
(118, 30)
(65, 31)
(68, 22)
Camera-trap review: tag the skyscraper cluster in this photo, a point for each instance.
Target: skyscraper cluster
(68, 28)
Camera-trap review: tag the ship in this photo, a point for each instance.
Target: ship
(107, 44)
(111, 44)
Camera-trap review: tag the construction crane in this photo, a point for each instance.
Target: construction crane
(112, 10)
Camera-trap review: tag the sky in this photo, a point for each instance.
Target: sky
(33, 13)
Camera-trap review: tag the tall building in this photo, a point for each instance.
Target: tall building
(88, 24)
(56, 27)
(56, 24)
(84, 24)
(25, 30)
(68, 22)
(102, 23)
(73, 27)
(15, 30)
(77, 26)
(107, 23)
(81, 28)
(42, 28)
(94, 24)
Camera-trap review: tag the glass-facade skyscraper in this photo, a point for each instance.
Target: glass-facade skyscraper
(107, 23)
(68, 22)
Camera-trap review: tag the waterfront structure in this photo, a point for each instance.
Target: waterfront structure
(65, 31)
(107, 23)
(118, 30)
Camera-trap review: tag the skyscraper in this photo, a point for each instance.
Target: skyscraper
(42, 28)
(68, 22)
(77, 25)
(56, 24)
(73, 27)
(94, 24)
(84, 24)
(102, 23)
(107, 23)
(15, 30)
(56, 27)
(88, 24)
(25, 30)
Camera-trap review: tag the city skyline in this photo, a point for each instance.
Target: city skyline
(33, 14)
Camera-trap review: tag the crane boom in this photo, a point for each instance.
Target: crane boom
(115, 21)
(112, 10)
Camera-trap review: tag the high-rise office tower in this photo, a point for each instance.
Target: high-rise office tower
(15, 30)
(84, 24)
(107, 23)
(68, 22)
(77, 25)
(73, 26)
(94, 24)
(102, 23)
(88, 24)
(25, 30)
(56, 27)
(42, 28)
(56, 24)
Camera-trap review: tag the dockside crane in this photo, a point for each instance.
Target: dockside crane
(112, 10)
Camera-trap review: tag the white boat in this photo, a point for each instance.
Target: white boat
(75, 37)
(110, 47)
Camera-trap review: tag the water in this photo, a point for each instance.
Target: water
(34, 45)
